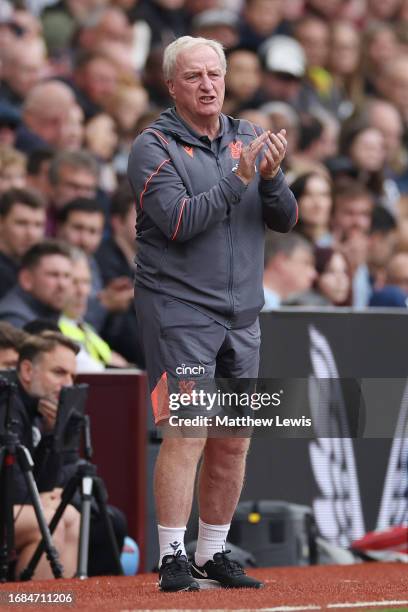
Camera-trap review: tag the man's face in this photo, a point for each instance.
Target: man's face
(299, 270)
(281, 86)
(28, 69)
(21, 229)
(83, 230)
(264, 16)
(73, 183)
(351, 215)
(8, 358)
(98, 80)
(48, 373)
(14, 175)
(244, 74)
(197, 85)
(50, 281)
(77, 302)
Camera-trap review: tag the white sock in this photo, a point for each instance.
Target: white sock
(171, 540)
(211, 540)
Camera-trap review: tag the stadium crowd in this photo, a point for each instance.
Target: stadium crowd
(80, 79)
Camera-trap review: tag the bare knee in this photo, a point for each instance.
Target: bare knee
(58, 536)
(226, 453)
(71, 518)
(183, 447)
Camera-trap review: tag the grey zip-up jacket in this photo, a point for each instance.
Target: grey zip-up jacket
(200, 230)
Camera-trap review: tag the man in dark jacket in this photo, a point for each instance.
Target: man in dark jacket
(22, 224)
(44, 283)
(206, 187)
(46, 364)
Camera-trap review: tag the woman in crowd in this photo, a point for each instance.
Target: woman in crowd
(332, 286)
(313, 192)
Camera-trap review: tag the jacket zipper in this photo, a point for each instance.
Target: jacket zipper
(231, 251)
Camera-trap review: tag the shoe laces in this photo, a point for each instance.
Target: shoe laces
(177, 565)
(232, 568)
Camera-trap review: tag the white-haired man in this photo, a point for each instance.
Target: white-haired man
(205, 186)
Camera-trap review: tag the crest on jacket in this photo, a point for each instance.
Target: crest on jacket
(235, 148)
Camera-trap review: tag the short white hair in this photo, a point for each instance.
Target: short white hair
(186, 43)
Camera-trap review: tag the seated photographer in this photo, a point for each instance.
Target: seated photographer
(46, 364)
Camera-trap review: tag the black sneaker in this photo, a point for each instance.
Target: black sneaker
(175, 574)
(228, 573)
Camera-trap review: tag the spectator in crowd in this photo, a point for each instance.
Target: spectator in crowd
(10, 119)
(80, 224)
(317, 141)
(11, 340)
(73, 131)
(38, 165)
(284, 117)
(44, 113)
(116, 253)
(384, 116)
(394, 294)
(261, 19)
(166, 19)
(288, 269)
(351, 221)
(95, 353)
(44, 283)
(243, 80)
(127, 106)
(344, 67)
(12, 168)
(217, 24)
(115, 257)
(101, 140)
(22, 225)
(332, 284)
(327, 9)
(284, 76)
(382, 242)
(94, 83)
(153, 79)
(23, 66)
(364, 145)
(378, 10)
(380, 50)
(313, 192)
(313, 33)
(72, 174)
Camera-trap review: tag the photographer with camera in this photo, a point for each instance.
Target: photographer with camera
(46, 363)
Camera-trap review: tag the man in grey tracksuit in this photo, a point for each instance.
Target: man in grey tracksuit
(206, 188)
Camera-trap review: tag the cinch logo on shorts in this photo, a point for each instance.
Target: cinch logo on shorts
(184, 369)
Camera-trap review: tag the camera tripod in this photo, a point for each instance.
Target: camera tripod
(89, 485)
(14, 455)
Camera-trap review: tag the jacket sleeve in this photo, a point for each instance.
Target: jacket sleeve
(279, 206)
(162, 195)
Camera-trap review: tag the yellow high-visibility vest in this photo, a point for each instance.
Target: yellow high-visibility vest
(85, 335)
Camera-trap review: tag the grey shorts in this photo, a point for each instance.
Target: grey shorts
(186, 349)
